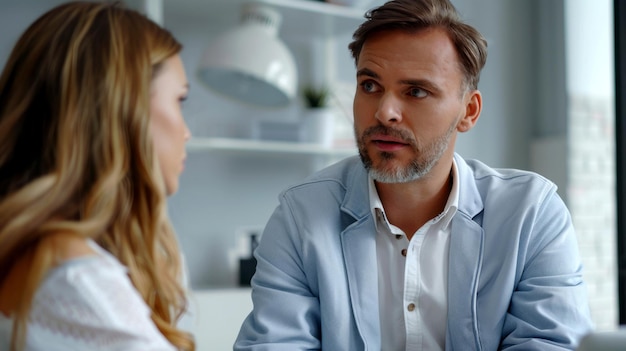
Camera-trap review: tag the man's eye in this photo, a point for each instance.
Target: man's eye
(418, 93)
(368, 86)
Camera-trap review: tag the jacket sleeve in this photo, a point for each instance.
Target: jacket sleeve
(549, 307)
(286, 314)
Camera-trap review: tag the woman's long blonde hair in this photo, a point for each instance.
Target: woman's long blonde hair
(75, 154)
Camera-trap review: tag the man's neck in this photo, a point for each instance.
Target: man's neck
(410, 205)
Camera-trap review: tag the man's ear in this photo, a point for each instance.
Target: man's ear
(473, 106)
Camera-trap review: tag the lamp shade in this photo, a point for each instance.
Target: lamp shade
(249, 62)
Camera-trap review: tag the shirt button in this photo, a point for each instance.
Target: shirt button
(398, 236)
(403, 252)
(411, 307)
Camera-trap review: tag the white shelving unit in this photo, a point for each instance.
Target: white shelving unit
(315, 19)
(320, 156)
(265, 146)
(304, 18)
(318, 22)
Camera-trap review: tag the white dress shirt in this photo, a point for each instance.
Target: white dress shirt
(412, 277)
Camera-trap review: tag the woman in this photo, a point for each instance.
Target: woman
(88, 258)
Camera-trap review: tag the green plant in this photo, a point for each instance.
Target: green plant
(316, 97)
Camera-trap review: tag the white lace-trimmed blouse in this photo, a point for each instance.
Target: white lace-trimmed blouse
(88, 303)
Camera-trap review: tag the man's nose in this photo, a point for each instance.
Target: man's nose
(389, 109)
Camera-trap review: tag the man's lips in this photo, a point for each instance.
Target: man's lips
(388, 143)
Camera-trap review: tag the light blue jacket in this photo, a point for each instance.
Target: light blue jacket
(514, 279)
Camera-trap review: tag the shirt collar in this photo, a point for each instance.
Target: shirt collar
(453, 199)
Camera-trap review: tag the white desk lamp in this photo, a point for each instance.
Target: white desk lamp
(250, 63)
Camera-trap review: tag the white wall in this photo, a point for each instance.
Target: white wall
(14, 18)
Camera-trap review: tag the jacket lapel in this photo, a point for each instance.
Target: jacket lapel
(466, 248)
(358, 240)
(359, 251)
(464, 264)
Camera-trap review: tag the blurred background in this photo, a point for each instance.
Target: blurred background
(549, 106)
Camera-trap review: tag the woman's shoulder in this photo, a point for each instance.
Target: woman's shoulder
(89, 299)
(84, 279)
(68, 252)
(85, 274)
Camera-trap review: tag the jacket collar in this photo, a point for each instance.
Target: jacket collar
(470, 201)
(356, 201)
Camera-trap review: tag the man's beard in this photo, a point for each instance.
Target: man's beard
(425, 158)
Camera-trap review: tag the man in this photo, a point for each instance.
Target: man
(413, 247)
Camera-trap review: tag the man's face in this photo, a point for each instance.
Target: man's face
(409, 104)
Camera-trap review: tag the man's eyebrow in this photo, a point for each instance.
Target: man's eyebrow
(366, 72)
(422, 83)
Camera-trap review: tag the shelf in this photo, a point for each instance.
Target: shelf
(311, 18)
(301, 18)
(265, 146)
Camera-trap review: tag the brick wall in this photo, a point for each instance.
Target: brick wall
(591, 199)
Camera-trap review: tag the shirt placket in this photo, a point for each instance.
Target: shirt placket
(412, 288)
